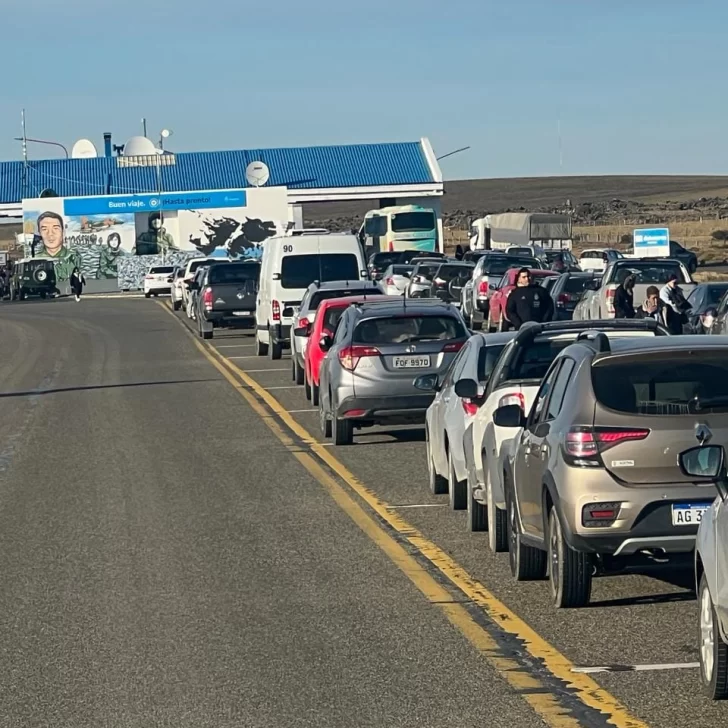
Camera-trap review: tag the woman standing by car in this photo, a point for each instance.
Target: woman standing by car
(77, 283)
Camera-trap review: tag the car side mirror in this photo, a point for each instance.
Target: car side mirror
(326, 342)
(287, 312)
(302, 331)
(707, 461)
(427, 383)
(510, 415)
(466, 388)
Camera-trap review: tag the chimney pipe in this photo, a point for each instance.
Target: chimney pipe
(107, 144)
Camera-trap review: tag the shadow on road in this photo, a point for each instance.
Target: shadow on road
(413, 435)
(36, 392)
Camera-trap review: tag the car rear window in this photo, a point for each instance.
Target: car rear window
(162, 269)
(300, 271)
(715, 293)
(593, 255)
(671, 384)
(407, 255)
(497, 265)
(448, 272)
(533, 361)
(331, 318)
(197, 264)
(235, 273)
(320, 296)
(427, 270)
(576, 284)
(487, 358)
(402, 270)
(404, 329)
(520, 251)
(650, 273)
(382, 260)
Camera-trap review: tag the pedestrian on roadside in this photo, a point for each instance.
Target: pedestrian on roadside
(528, 301)
(77, 282)
(676, 305)
(624, 298)
(652, 306)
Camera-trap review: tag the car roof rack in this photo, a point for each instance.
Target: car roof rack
(598, 339)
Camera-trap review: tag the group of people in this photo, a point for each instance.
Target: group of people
(667, 305)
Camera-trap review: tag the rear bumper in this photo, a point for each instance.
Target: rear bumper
(402, 408)
(227, 317)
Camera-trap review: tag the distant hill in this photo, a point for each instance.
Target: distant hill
(465, 198)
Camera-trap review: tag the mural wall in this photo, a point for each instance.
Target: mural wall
(122, 236)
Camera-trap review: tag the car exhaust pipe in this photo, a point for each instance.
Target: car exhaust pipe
(656, 554)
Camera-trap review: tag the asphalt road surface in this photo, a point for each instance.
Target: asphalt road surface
(177, 550)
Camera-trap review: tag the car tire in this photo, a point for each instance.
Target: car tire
(275, 348)
(314, 395)
(176, 305)
(693, 266)
(298, 372)
(497, 521)
(457, 489)
(261, 349)
(148, 294)
(713, 651)
(324, 421)
(342, 431)
(207, 334)
(570, 572)
(438, 484)
(477, 513)
(306, 388)
(527, 563)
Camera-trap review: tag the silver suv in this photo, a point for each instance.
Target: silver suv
(377, 359)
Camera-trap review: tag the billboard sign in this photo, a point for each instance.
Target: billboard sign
(651, 243)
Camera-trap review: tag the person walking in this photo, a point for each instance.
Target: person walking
(676, 305)
(624, 298)
(528, 301)
(77, 282)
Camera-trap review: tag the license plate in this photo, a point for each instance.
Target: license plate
(241, 313)
(411, 362)
(688, 514)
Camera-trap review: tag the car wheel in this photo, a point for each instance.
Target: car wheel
(275, 349)
(497, 521)
(324, 421)
(570, 572)
(314, 395)
(438, 484)
(176, 305)
(207, 334)
(342, 431)
(477, 516)
(298, 373)
(307, 388)
(261, 349)
(713, 651)
(457, 489)
(148, 294)
(527, 563)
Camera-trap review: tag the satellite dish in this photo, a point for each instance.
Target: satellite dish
(48, 192)
(84, 149)
(139, 146)
(257, 174)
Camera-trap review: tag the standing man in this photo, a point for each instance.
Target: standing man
(624, 298)
(51, 231)
(528, 301)
(675, 305)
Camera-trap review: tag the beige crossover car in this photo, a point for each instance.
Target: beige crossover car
(593, 484)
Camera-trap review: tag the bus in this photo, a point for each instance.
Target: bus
(405, 227)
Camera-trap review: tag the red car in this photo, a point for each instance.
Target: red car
(327, 317)
(497, 319)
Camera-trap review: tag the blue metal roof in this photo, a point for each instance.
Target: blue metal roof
(361, 165)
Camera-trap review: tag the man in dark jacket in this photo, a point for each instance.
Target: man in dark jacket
(528, 301)
(624, 298)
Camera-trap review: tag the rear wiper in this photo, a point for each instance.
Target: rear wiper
(698, 405)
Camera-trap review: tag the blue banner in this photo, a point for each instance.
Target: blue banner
(149, 203)
(651, 241)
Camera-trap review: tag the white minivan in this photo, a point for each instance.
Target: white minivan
(289, 266)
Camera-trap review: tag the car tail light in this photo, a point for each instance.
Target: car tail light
(148, 278)
(389, 281)
(600, 514)
(276, 307)
(470, 407)
(350, 355)
(303, 322)
(439, 281)
(483, 288)
(585, 445)
(610, 300)
(355, 413)
(513, 398)
(453, 346)
(207, 298)
(563, 299)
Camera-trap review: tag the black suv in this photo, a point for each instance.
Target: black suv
(33, 277)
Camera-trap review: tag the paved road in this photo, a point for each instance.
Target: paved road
(166, 561)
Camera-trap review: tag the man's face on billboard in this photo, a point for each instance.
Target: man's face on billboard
(51, 230)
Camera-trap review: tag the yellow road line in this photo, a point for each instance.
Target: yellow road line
(546, 705)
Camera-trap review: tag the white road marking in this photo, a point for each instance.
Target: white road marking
(421, 505)
(637, 668)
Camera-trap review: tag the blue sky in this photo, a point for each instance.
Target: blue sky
(638, 86)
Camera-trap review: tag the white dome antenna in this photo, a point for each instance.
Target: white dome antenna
(84, 149)
(257, 174)
(139, 146)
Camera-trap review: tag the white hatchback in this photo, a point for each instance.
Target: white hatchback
(158, 280)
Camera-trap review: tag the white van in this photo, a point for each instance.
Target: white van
(289, 266)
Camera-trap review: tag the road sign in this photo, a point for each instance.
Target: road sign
(651, 242)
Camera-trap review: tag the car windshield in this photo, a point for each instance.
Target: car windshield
(405, 329)
(162, 269)
(649, 273)
(326, 295)
(233, 273)
(520, 251)
(299, 271)
(403, 222)
(497, 265)
(674, 383)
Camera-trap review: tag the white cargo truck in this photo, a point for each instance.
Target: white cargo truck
(521, 229)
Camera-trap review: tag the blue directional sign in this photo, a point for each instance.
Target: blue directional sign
(651, 242)
(149, 203)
